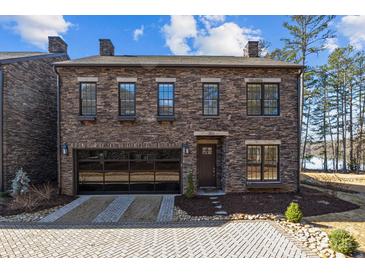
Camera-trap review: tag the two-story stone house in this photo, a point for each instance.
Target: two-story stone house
(28, 113)
(142, 124)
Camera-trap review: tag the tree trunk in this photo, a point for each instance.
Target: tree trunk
(352, 161)
(337, 128)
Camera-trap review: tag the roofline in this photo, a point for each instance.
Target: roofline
(297, 66)
(30, 58)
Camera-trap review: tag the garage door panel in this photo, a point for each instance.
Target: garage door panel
(129, 171)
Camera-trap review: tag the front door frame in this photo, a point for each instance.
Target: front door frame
(212, 143)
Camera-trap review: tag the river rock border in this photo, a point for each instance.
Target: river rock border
(308, 235)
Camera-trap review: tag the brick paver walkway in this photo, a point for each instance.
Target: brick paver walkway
(189, 239)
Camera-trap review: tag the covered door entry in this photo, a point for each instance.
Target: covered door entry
(128, 171)
(207, 165)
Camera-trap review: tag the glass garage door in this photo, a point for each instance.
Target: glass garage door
(128, 171)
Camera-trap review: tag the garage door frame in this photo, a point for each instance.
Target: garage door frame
(76, 171)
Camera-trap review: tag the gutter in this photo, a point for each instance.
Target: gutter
(299, 94)
(58, 131)
(2, 187)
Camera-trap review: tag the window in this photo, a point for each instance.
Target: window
(263, 163)
(210, 99)
(263, 99)
(88, 99)
(165, 99)
(127, 99)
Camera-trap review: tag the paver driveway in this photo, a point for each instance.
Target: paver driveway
(188, 239)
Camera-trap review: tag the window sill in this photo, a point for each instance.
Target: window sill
(126, 118)
(263, 116)
(211, 116)
(264, 184)
(87, 118)
(166, 118)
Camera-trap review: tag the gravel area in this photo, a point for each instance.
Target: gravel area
(87, 211)
(29, 217)
(143, 208)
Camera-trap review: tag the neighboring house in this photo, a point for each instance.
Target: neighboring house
(28, 113)
(141, 124)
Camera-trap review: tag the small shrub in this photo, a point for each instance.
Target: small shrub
(36, 196)
(293, 213)
(342, 241)
(20, 184)
(190, 191)
(43, 191)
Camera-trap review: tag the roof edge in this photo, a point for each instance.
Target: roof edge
(30, 58)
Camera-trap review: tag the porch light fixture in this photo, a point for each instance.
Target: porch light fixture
(185, 148)
(65, 149)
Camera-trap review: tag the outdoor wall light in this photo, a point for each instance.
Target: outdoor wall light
(65, 149)
(185, 148)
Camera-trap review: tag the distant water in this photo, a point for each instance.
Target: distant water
(317, 163)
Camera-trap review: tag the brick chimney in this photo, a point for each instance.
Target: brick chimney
(253, 48)
(56, 45)
(106, 47)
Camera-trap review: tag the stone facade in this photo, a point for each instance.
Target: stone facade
(147, 132)
(30, 118)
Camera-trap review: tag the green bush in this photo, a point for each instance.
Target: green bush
(293, 213)
(342, 241)
(190, 191)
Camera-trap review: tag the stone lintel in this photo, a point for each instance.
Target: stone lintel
(211, 133)
(262, 142)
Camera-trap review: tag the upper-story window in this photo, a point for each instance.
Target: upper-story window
(263, 99)
(165, 100)
(210, 99)
(88, 99)
(127, 99)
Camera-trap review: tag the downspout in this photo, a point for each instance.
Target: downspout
(299, 94)
(2, 187)
(58, 85)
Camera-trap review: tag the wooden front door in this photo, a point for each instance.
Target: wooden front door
(206, 165)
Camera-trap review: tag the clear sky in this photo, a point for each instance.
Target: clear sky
(214, 35)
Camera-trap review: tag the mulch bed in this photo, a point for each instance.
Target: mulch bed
(312, 203)
(6, 210)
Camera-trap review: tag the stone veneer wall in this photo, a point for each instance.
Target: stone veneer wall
(30, 119)
(108, 132)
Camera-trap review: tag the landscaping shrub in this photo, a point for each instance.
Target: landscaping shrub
(20, 184)
(293, 213)
(190, 191)
(342, 241)
(36, 196)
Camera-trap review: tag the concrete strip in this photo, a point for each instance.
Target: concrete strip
(166, 209)
(115, 210)
(64, 210)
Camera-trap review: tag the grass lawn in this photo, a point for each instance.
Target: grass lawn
(354, 186)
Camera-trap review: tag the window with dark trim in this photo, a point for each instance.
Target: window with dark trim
(165, 100)
(262, 163)
(127, 99)
(88, 99)
(263, 99)
(210, 99)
